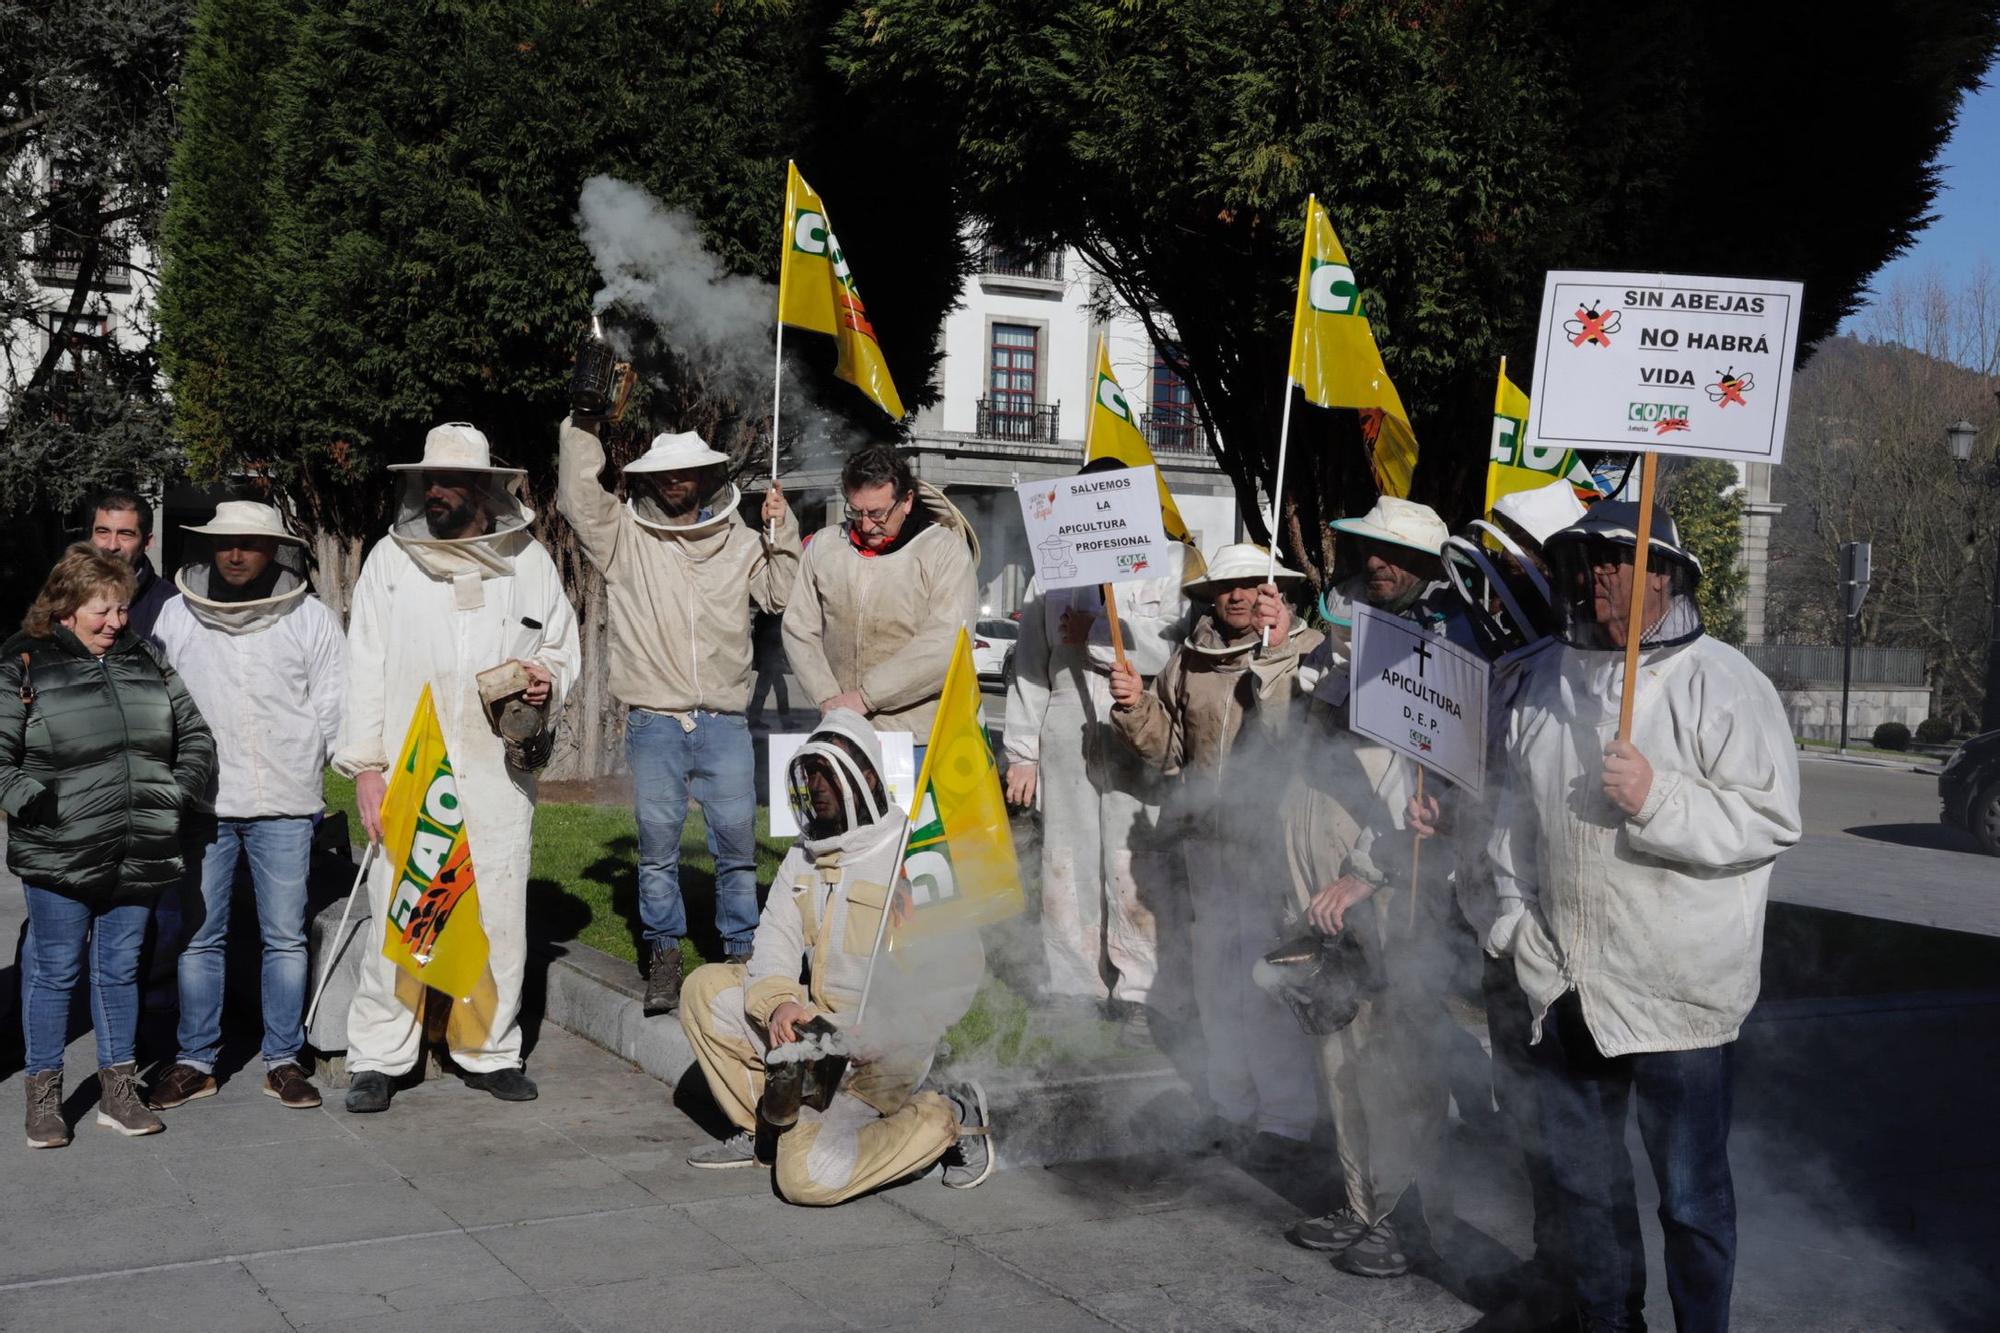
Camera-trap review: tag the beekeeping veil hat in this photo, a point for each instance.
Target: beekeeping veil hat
(1609, 533)
(844, 747)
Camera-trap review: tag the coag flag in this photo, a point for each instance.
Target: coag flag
(1511, 466)
(1335, 360)
(960, 859)
(817, 292)
(1111, 433)
(433, 931)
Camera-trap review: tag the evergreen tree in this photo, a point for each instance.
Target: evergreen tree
(1705, 496)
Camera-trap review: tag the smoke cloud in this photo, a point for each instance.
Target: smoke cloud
(696, 330)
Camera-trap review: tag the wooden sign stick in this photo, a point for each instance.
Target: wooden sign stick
(1635, 619)
(1111, 617)
(1416, 853)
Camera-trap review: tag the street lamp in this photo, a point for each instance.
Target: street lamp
(1959, 436)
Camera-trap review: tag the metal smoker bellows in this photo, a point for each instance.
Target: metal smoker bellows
(599, 383)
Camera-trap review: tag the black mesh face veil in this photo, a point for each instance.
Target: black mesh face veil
(1506, 598)
(1574, 556)
(835, 759)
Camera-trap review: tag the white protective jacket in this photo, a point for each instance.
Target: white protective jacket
(1076, 679)
(268, 677)
(439, 613)
(1657, 920)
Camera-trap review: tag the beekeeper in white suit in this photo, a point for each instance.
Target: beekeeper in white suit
(460, 586)
(1632, 877)
(1101, 854)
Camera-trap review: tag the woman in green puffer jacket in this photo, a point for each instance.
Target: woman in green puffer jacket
(101, 749)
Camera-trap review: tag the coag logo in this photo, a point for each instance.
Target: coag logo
(1656, 412)
(1113, 397)
(1330, 288)
(809, 232)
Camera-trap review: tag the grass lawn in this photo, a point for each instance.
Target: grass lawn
(583, 886)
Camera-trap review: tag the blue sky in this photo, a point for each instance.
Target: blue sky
(1968, 205)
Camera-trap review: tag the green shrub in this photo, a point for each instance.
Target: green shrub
(1934, 731)
(1892, 736)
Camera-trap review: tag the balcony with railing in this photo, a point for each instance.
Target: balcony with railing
(1018, 269)
(1173, 431)
(57, 264)
(1018, 421)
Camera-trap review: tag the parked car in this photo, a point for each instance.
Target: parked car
(1969, 787)
(992, 642)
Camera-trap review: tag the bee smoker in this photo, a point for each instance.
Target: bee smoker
(805, 1073)
(599, 383)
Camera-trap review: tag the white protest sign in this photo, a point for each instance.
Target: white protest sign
(1103, 527)
(1664, 364)
(899, 755)
(1419, 694)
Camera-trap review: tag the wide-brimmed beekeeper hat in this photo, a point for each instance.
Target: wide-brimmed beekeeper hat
(1542, 511)
(1242, 560)
(682, 452)
(245, 518)
(1400, 523)
(457, 446)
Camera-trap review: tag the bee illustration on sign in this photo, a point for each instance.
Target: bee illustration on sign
(1590, 326)
(1730, 387)
(1042, 504)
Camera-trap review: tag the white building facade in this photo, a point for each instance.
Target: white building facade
(1017, 375)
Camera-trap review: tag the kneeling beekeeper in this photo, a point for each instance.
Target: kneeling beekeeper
(843, 1097)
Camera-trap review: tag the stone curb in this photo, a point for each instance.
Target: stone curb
(1040, 1121)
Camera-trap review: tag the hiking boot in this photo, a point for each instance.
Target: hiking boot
(1378, 1253)
(1334, 1232)
(119, 1105)
(46, 1127)
(181, 1084)
(509, 1085)
(368, 1092)
(288, 1084)
(969, 1161)
(739, 1149)
(663, 980)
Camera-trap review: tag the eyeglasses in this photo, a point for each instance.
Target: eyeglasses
(878, 517)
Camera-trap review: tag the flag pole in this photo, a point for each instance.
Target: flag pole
(1635, 617)
(777, 398)
(1278, 494)
(1089, 433)
(360, 878)
(888, 909)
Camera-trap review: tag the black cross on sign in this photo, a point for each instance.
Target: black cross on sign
(1423, 656)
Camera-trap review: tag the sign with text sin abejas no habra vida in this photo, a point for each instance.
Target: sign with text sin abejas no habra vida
(1663, 363)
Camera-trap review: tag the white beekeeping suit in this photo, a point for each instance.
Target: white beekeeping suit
(438, 612)
(1100, 803)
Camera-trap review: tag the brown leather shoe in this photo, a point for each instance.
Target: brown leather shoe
(289, 1085)
(179, 1085)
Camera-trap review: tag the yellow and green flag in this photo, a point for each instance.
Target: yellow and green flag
(1335, 360)
(433, 931)
(1111, 433)
(1511, 465)
(960, 859)
(817, 292)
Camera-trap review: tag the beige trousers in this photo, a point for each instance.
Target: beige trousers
(1384, 1072)
(878, 1129)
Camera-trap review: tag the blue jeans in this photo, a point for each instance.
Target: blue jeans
(1684, 1107)
(60, 931)
(713, 763)
(280, 852)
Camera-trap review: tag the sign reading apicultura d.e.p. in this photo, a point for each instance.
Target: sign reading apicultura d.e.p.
(1420, 694)
(1663, 363)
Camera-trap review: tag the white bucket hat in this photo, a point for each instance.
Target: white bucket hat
(1242, 560)
(1400, 523)
(676, 453)
(457, 446)
(1541, 512)
(245, 518)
